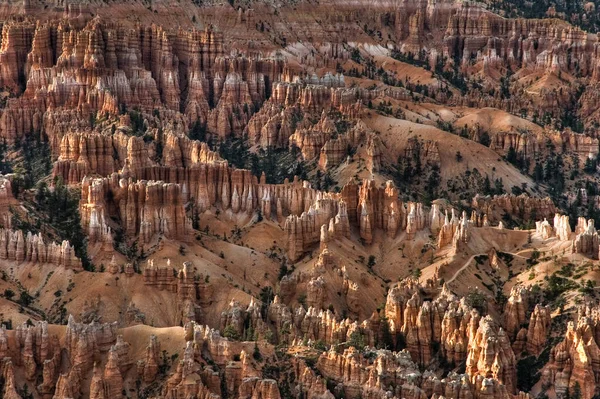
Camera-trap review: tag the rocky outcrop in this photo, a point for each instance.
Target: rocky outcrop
(395, 372)
(374, 153)
(432, 322)
(233, 318)
(527, 330)
(284, 120)
(379, 207)
(575, 359)
(304, 230)
(15, 245)
(490, 354)
(454, 230)
(92, 153)
(192, 290)
(148, 368)
(272, 125)
(16, 40)
(447, 230)
(113, 380)
(143, 208)
(544, 229)
(315, 98)
(515, 311)
(10, 382)
(521, 207)
(160, 277)
(85, 342)
(315, 293)
(374, 207)
(316, 324)
(582, 145)
(7, 200)
(259, 388)
(315, 385)
(86, 154)
(311, 140)
(528, 145)
(187, 378)
(84, 347)
(235, 190)
(445, 322)
(562, 228)
(180, 281)
(200, 337)
(101, 67)
(291, 325)
(69, 385)
(348, 366)
(325, 142)
(35, 347)
(586, 241)
(538, 329)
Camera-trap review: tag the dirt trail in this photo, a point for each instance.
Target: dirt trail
(468, 262)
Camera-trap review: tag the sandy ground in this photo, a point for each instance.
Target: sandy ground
(395, 133)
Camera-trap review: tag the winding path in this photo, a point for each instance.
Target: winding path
(468, 262)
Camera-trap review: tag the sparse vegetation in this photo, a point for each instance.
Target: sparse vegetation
(477, 300)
